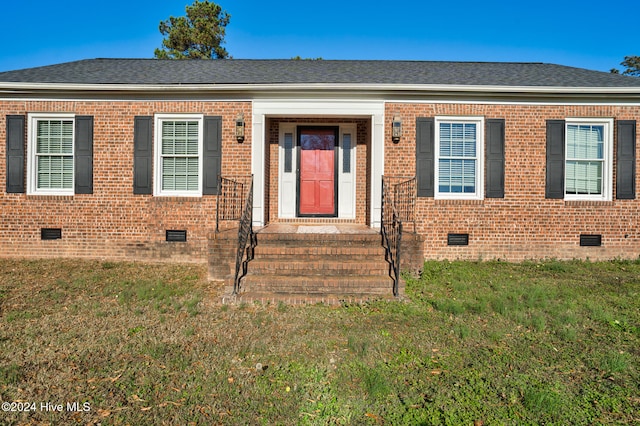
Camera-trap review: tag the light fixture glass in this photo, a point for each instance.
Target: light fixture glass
(396, 128)
(240, 127)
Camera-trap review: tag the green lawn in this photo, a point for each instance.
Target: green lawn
(477, 343)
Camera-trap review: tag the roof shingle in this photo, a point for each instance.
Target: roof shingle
(241, 71)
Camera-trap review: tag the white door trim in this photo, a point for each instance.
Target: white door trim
(348, 140)
(316, 108)
(287, 179)
(287, 172)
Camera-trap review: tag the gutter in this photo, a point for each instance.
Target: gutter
(337, 89)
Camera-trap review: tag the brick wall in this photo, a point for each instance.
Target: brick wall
(523, 225)
(113, 222)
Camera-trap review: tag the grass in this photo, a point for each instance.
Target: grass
(486, 343)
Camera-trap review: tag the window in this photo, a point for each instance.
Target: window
(288, 152)
(179, 155)
(588, 151)
(346, 153)
(51, 154)
(459, 163)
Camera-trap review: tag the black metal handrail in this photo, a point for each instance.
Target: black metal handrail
(246, 240)
(235, 202)
(232, 195)
(398, 205)
(402, 190)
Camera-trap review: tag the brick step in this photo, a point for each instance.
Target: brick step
(344, 265)
(278, 252)
(319, 285)
(319, 239)
(336, 265)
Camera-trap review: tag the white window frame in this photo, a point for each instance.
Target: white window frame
(607, 166)
(157, 187)
(479, 158)
(32, 134)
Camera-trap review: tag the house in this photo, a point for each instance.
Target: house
(121, 158)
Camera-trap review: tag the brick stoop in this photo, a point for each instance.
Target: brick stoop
(329, 264)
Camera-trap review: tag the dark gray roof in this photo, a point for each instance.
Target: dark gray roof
(240, 71)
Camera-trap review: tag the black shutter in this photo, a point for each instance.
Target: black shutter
(142, 155)
(626, 160)
(555, 159)
(15, 153)
(212, 155)
(495, 158)
(84, 155)
(425, 133)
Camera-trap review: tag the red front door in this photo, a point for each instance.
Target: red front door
(317, 187)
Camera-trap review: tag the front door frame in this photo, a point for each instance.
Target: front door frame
(336, 154)
(315, 107)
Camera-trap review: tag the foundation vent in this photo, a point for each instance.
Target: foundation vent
(50, 233)
(458, 239)
(590, 240)
(176, 236)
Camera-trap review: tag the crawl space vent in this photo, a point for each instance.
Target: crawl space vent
(176, 236)
(590, 240)
(50, 233)
(458, 239)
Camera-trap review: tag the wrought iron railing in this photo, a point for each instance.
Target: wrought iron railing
(402, 190)
(235, 202)
(398, 206)
(232, 194)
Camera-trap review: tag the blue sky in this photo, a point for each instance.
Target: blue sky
(583, 34)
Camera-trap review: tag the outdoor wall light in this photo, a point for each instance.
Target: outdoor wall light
(240, 127)
(396, 128)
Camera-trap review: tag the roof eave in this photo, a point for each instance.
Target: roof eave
(410, 89)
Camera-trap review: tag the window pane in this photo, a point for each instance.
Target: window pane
(54, 137)
(54, 172)
(180, 138)
(318, 139)
(180, 174)
(584, 177)
(444, 175)
(288, 152)
(585, 142)
(346, 153)
(469, 176)
(445, 139)
(457, 176)
(168, 174)
(470, 140)
(457, 140)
